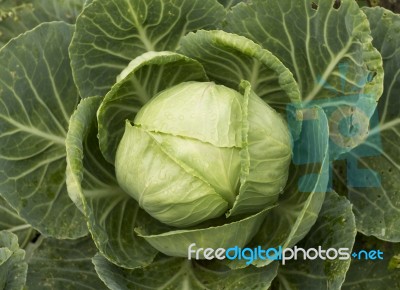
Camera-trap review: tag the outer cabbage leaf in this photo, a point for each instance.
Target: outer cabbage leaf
(38, 97)
(109, 34)
(373, 168)
(177, 273)
(335, 221)
(374, 274)
(17, 17)
(12, 265)
(328, 48)
(228, 59)
(12, 222)
(111, 213)
(63, 264)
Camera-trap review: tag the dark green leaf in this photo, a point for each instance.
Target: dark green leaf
(374, 167)
(327, 46)
(16, 17)
(374, 274)
(12, 222)
(168, 273)
(12, 265)
(63, 264)
(38, 97)
(109, 34)
(335, 228)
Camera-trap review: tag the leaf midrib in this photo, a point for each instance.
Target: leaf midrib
(34, 131)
